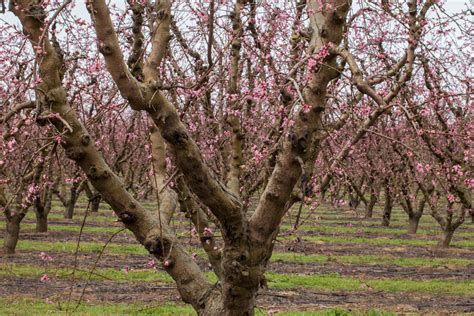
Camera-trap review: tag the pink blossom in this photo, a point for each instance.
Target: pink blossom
(208, 232)
(451, 198)
(45, 257)
(151, 264)
(45, 278)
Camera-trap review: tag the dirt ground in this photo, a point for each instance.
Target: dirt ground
(269, 299)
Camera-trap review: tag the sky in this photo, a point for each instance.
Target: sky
(80, 10)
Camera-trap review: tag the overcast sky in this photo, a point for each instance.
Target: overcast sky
(80, 10)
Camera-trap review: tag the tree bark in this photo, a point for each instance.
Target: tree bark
(41, 222)
(387, 212)
(369, 207)
(447, 237)
(12, 233)
(69, 214)
(413, 222)
(94, 198)
(95, 203)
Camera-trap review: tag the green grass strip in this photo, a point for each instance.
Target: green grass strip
(379, 241)
(382, 230)
(371, 260)
(334, 282)
(328, 282)
(58, 246)
(137, 249)
(73, 228)
(29, 307)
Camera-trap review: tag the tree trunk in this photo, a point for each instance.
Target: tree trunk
(95, 203)
(41, 222)
(70, 209)
(413, 222)
(369, 208)
(230, 300)
(298, 216)
(447, 237)
(11, 234)
(71, 204)
(387, 212)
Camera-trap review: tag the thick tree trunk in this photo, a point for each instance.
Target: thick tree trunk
(230, 300)
(413, 222)
(11, 234)
(41, 222)
(447, 237)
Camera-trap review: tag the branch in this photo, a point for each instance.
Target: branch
(296, 147)
(109, 47)
(236, 142)
(80, 147)
(16, 109)
(160, 38)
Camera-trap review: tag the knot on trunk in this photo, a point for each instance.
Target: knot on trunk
(37, 12)
(75, 153)
(157, 246)
(105, 49)
(97, 174)
(299, 142)
(85, 139)
(176, 137)
(127, 218)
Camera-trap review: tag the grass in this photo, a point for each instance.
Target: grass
(338, 219)
(96, 217)
(72, 228)
(334, 282)
(317, 228)
(380, 241)
(328, 282)
(137, 249)
(381, 230)
(336, 312)
(371, 260)
(15, 306)
(28, 307)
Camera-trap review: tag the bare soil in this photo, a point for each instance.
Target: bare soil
(269, 299)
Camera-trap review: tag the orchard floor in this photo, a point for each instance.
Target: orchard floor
(336, 263)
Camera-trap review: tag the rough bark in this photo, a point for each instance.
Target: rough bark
(12, 233)
(237, 139)
(413, 222)
(41, 222)
(369, 207)
(79, 147)
(13, 220)
(447, 238)
(288, 169)
(94, 198)
(71, 205)
(244, 253)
